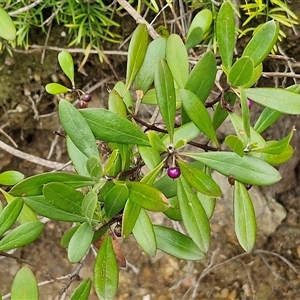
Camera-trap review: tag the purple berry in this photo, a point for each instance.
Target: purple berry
(174, 172)
(248, 186)
(82, 104)
(118, 230)
(86, 97)
(249, 102)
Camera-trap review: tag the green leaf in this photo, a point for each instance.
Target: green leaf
(166, 97)
(65, 240)
(145, 76)
(77, 129)
(94, 167)
(144, 233)
(244, 217)
(115, 200)
(150, 156)
(21, 235)
(235, 144)
(262, 42)
(80, 242)
(241, 72)
(173, 212)
(130, 215)
(147, 196)
(10, 214)
(268, 117)
(197, 112)
(176, 244)
(177, 59)
(194, 37)
(150, 177)
(24, 285)
(116, 104)
(208, 203)
(150, 97)
(110, 127)
(257, 71)
(33, 185)
(7, 27)
(167, 186)
(226, 34)
(10, 178)
(156, 142)
(66, 63)
(56, 88)
(126, 96)
(136, 53)
(193, 215)
(199, 180)
(245, 114)
(200, 81)
(40, 205)
(82, 291)
(106, 272)
(63, 197)
(245, 169)
(89, 204)
(278, 99)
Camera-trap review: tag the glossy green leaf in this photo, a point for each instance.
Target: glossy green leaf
(193, 215)
(200, 81)
(150, 156)
(150, 97)
(208, 203)
(244, 217)
(235, 144)
(197, 112)
(65, 239)
(147, 196)
(150, 177)
(173, 212)
(21, 235)
(178, 61)
(10, 178)
(145, 76)
(80, 242)
(40, 205)
(136, 53)
(106, 272)
(257, 71)
(24, 285)
(77, 129)
(245, 114)
(245, 169)
(278, 99)
(126, 96)
(56, 88)
(155, 141)
(194, 37)
(7, 27)
(199, 180)
(33, 185)
(165, 93)
(116, 104)
(9, 214)
(115, 199)
(241, 72)
(82, 291)
(144, 233)
(267, 117)
(167, 186)
(66, 63)
(64, 197)
(112, 159)
(130, 215)
(176, 244)
(226, 34)
(110, 127)
(94, 167)
(89, 204)
(262, 42)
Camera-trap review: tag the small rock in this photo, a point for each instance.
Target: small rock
(224, 293)
(232, 295)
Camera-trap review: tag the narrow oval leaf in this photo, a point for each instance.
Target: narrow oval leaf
(22, 235)
(208, 203)
(116, 104)
(167, 186)
(156, 142)
(150, 178)
(80, 242)
(7, 27)
(194, 37)
(173, 212)
(106, 272)
(150, 156)
(245, 169)
(199, 180)
(82, 292)
(278, 99)
(145, 76)
(130, 215)
(24, 285)
(89, 204)
(66, 63)
(94, 167)
(177, 244)
(267, 117)
(166, 96)
(126, 96)
(244, 217)
(10, 178)
(56, 88)
(255, 76)
(65, 239)
(178, 60)
(197, 112)
(235, 144)
(200, 81)
(144, 233)
(193, 215)
(147, 196)
(110, 127)
(245, 114)
(77, 129)
(226, 34)
(262, 42)
(10, 214)
(136, 53)
(241, 72)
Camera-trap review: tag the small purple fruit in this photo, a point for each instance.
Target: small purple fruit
(248, 186)
(82, 104)
(118, 230)
(174, 172)
(86, 97)
(249, 102)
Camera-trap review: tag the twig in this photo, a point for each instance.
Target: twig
(25, 8)
(280, 74)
